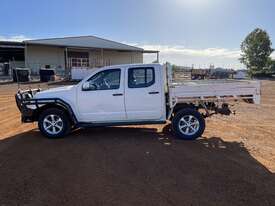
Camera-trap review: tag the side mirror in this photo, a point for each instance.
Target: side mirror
(88, 87)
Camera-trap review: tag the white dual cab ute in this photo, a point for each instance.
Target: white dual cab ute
(130, 95)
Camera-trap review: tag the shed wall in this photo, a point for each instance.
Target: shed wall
(37, 56)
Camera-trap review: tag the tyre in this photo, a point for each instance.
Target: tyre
(188, 124)
(54, 123)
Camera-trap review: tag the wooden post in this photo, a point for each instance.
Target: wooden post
(25, 55)
(66, 64)
(102, 58)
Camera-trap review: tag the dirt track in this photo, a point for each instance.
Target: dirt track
(233, 164)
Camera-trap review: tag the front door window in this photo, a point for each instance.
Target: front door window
(105, 80)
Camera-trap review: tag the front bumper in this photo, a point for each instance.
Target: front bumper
(28, 115)
(26, 104)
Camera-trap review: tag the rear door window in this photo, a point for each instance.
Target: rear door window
(141, 77)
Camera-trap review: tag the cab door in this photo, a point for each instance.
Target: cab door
(101, 97)
(143, 94)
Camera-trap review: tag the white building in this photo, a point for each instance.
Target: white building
(75, 54)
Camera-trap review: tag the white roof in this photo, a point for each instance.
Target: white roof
(85, 42)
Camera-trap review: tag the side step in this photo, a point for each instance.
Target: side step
(87, 124)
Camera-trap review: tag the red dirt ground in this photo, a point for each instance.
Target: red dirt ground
(232, 164)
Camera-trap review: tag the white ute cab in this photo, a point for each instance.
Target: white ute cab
(133, 94)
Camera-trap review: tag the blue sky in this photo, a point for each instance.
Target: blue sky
(186, 32)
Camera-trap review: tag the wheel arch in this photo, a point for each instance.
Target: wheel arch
(182, 106)
(58, 105)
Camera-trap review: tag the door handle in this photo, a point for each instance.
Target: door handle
(118, 94)
(153, 93)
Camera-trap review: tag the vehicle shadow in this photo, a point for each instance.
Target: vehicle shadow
(130, 166)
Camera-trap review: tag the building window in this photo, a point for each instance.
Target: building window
(79, 62)
(78, 59)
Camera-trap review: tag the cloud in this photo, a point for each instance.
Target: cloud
(17, 38)
(180, 50)
(180, 55)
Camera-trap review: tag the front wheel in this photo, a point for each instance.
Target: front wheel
(188, 124)
(54, 123)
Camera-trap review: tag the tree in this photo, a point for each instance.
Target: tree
(256, 50)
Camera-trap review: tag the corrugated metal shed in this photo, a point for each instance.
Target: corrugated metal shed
(85, 42)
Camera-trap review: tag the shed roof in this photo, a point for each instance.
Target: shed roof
(11, 44)
(84, 42)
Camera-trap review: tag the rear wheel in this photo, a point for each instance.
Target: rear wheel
(54, 123)
(188, 124)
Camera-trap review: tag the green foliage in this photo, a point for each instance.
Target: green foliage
(271, 66)
(256, 50)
